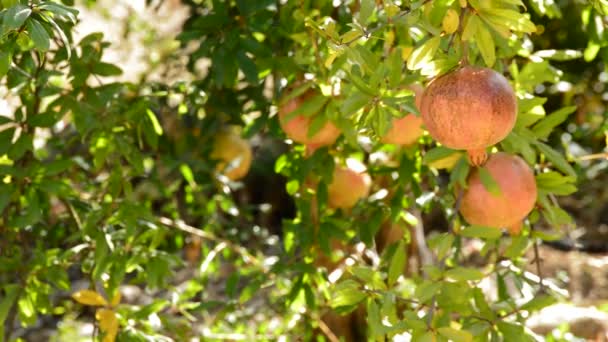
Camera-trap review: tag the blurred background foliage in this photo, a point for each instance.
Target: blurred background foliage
(116, 224)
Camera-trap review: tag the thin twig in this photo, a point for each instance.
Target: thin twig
(180, 225)
(327, 331)
(537, 260)
(603, 155)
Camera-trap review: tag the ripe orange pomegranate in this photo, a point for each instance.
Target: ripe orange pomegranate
(349, 185)
(297, 127)
(515, 201)
(408, 129)
(470, 109)
(233, 154)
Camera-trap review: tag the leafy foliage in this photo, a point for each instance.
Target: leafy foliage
(106, 181)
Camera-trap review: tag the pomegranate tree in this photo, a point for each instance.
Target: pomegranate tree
(469, 109)
(514, 201)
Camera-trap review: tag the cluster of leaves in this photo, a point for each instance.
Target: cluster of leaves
(99, 183)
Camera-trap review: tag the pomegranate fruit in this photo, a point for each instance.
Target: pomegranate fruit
(470, 109)
(233, 154)
(297, 127)
(408, 129)
(516, 199)
(349, 185)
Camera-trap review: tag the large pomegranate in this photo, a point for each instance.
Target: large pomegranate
(233, 154)
(408, 129)
(349, 185)
(515, 201)
(470, 109)
(297, 127)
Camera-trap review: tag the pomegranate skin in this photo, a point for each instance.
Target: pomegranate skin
(296, 128)
(404, 131)
(347, 188)
(517, 193)
(470, 108)
(407, 130)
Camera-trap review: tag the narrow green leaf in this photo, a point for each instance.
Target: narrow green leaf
(455, 335)
(5, 62)
(472, 25)
(158, 129)
(558, 55)
(365, 11)
(460, 173)
(489, 182)
(556, 158)
(490, 233)
(397, 264)
(464, 274)
(423, 54)
(60, 10)
(105, 69)
(38, 35)
(10, 294)
(486, 46)
(512, 19)
(310, 107)
(247, 65)
(15, 17)
(347, 296)
(544, 127)
(436, 154)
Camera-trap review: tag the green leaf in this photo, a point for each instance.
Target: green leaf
(515, 144)
(46, 119)
(158, 129)
(464, 274)
(556, 158)
(488, 182)
(15, 17)
(472, 25)
(558, 55)
(105, 69)
(591, 51)
(397, 264)
(511, 331)
(490, 233)
(517, 247)
(460, 173)
(556, 183)
(508, 18)
(5, 62)
(538, 303)
(486, 46)
(8, 299)
(247, 65)
(354, 102)
(347, 293)
(365, 11)
(427, 290)
(23, 144)
(436, 154)
(60, 10)
(544, 127)
(423, 54)
(38, 35)
(455, 335)
(60, 32)
(309, 108)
